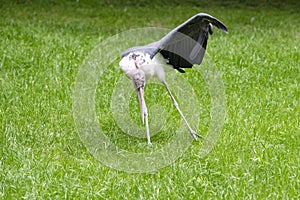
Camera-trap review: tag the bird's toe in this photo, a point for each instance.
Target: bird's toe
(195, 135)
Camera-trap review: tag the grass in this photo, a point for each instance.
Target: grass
(42, 157)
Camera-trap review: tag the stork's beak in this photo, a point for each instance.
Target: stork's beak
(140, 94)
(139, 81)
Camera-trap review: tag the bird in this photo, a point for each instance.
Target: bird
(181, 48)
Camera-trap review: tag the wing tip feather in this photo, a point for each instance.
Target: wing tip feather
(216, 22)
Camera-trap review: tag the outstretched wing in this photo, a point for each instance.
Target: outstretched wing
(185, 45)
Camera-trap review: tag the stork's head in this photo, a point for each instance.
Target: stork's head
(130, 63)
(137, 60)
(138, 78)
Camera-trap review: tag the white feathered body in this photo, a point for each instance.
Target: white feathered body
(154, 67)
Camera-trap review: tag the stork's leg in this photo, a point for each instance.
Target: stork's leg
(192, 132)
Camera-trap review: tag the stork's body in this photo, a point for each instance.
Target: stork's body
(181, 48)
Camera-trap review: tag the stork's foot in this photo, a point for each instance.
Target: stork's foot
(195, 135)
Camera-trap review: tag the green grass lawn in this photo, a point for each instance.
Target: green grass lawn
(42, 48)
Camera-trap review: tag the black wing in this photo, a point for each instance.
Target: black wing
(185, 45)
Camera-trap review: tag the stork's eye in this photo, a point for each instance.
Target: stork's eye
(134, 56)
